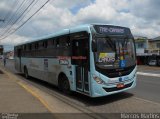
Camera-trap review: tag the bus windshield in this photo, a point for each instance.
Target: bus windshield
(114, 52)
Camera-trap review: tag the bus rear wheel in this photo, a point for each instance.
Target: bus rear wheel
(26, 73)
(64, 85)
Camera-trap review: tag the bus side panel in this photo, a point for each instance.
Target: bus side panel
(55, 68)
(17, 64)
(46, 69)
(67, 70)
(52, 71)
(35, 67)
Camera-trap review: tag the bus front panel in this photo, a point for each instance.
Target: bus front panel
(113, 67)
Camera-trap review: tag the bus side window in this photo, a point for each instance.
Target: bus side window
(53, 42)
(50, 43)
(33, 46)
(30, 46)
(28, 50)
(36, 45)
(19, 52)
(40, 45)
(45, 44)
(57, 42)
(64, 41)
(68, 43)
(24, 50)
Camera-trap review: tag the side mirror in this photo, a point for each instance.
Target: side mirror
(94, 46)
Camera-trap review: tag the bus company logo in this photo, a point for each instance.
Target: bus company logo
(111, 30)
(72, 57)
(63, 62)
(107, 57)
(79, 57)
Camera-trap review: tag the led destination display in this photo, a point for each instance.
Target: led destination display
(111, 30)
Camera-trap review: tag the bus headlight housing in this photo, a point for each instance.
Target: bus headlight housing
(98, 80)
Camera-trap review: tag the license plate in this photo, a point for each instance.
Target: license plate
(120, 85)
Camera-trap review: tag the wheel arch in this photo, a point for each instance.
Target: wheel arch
(62, 74)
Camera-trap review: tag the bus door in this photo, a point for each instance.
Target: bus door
(19, 54)
(80, 58)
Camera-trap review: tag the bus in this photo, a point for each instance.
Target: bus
(94, 59)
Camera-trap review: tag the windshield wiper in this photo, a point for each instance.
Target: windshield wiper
(111, 43)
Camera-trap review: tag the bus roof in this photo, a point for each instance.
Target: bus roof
(78, 28)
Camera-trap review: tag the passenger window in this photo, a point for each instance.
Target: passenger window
(57, 42)
(25, 47)
(69, 43)
(30, 46)
(45, 44)
(53, 42)
(36, 45)
(50, 43)
(62, 43)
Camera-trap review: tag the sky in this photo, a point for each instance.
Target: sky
(141, 16)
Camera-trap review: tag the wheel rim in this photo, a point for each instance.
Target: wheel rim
(65, 85)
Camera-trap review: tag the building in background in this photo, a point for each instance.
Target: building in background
(147, 50)
(154, 45)
(141, 45)
(142, 49)
(9, 54)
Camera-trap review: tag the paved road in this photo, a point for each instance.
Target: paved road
(144, 98)
(148, 87)
(149, 69)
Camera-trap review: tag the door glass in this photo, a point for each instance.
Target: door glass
(80, 60)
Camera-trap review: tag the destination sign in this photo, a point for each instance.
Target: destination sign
(111, 30)
(104, 29)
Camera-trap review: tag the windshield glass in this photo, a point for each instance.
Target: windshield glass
(114, 52)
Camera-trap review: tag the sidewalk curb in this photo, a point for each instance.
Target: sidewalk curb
(26, 88)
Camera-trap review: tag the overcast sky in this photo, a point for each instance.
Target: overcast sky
(141, 16)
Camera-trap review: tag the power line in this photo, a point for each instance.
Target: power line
(12, 16)
(2, 15)
(9, 13)
(26, 20)
(22, 18)
(9, 29)
(13, 6)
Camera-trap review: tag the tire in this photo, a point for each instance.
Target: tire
(64, 85)
(26, 73)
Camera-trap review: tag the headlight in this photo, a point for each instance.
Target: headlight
(98, 80)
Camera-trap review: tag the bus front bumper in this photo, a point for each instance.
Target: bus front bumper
(104, 90)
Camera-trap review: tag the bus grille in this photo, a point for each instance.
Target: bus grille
(116, 89)
(116, 74)
(112, 73)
